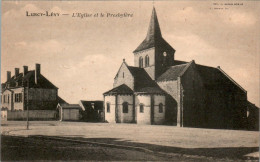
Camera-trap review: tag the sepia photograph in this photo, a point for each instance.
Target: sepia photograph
(127, 80)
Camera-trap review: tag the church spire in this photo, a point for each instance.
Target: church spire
(154, 30)
(153, 34)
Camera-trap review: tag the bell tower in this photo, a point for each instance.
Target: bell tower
(154, 54)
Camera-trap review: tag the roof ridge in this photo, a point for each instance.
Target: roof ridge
(122, 85)
(179, 65)
(49, 81)
(207, 66)
(120, 68)
(187, 66)
(232, 80)
(134, 66)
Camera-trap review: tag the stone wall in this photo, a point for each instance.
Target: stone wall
(173, 106)
(151, 68)
(124, 77)
(145, 117)
(159, 117)
(110, 116)
(3, 114)
(193, 98)
(33, 115)
(150, 71)
(163, 62)
(40, 94)
(42, 99)
(129, 116)
(150, 52)
(171, 87)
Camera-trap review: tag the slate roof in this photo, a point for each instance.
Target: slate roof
(213, 78)
(143, 83)
(22, 81)
(151, 90)
(172, 73)
(154, 36)
(252, 106)
(216, 79)
(178, 62)
(122, 89)
(141, 78)
(62, 101)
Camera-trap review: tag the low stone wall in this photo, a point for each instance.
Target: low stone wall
(33, 115)
(3, 114)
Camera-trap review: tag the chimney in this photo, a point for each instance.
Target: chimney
(25, 70)
(8, 75)
(37, 72)
(16, 72)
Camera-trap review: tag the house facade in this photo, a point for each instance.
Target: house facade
(159, 89)
(43, 95)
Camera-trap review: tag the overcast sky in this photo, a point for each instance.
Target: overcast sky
(82, 56)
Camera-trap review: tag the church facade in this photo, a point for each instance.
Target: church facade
(161, 90)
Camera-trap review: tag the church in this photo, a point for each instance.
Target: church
(161, 90)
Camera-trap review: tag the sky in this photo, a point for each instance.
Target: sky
(81, 56)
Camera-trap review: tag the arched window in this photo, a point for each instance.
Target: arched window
(141, 62)
(160, 108)
(146, 60)
(141, 108)
(164, 59)
(108, 107)
(125, 107)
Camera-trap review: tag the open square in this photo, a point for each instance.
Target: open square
(169, 141)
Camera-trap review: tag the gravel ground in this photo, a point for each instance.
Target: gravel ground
(207, 144)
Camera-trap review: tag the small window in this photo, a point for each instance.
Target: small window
(108, 107)
(4, 98)
(125, 107)
(123, 74)
(164, 54)
(146, 60)
(141, 108)
(18, 97)
(140, 62)
(160, 108)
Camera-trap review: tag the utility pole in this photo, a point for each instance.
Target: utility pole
(27, 105)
